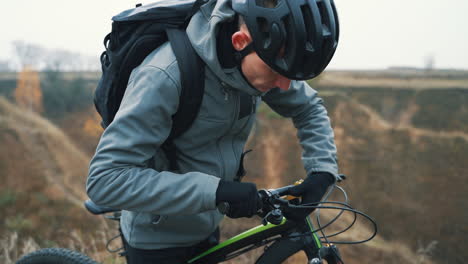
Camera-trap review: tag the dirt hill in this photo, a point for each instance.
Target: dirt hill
(43, 176)
(409, 174)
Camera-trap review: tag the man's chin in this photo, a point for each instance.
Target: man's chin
(264, 89)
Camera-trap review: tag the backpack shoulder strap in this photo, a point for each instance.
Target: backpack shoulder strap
(192, 74)
(192, 80)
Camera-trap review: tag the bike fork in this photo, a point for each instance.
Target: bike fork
(330, 254)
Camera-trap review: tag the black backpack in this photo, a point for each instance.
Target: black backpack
(135, 34)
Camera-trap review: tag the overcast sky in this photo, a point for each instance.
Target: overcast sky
(375, 34)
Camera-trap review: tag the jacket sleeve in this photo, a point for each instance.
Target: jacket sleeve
(301, 103)
(118, 174)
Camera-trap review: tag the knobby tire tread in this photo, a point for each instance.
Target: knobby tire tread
(55, 256)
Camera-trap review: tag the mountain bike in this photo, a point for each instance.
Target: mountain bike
(281, 237)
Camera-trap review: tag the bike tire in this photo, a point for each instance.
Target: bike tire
(55, 256)
(279, 251)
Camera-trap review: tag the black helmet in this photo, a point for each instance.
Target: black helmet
(307, 30)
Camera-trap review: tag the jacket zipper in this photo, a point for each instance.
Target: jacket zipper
(233, 122)
(254, 107)
(226, 94)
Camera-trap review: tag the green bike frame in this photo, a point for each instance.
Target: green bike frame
(250, 237)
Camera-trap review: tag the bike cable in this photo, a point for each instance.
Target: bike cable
(325, 204)
(337, 216)
(310, 206)
(346, 200)
(344, 207)
(321, 228)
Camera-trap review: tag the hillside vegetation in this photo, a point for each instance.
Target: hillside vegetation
(43, 176)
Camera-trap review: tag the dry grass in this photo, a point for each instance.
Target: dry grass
(13, 247)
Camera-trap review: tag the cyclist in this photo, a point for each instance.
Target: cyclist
(253, 50)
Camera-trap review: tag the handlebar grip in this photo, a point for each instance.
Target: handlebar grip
(224, 207)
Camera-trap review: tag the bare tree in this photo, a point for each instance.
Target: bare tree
(90, 63)
(429, 62)
(28, 54)
(64, 60)
(53, 60)
(5, 66)
(57, 60)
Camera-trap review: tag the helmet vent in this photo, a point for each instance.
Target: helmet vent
(310, 30)
(325, 18)
(267, 3)
(326, 31)
(286, 44)
(309, 47)
(264, 31)
(263, 26)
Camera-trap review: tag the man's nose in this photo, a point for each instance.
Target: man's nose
(282, 82)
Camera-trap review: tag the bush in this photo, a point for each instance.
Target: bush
(62, 96)
(442, 110)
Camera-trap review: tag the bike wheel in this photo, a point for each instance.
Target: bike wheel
(55, 256)
(280, 251)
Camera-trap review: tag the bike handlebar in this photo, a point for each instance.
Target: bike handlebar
(266, 196)
(281, 191)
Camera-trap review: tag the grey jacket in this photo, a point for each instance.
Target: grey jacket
(129, 171)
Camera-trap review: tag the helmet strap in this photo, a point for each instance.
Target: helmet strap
(239, 55)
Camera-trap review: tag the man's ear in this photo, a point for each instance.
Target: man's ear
(240, 40)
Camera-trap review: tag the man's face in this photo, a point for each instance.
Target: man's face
(261, 76)
(255, 70)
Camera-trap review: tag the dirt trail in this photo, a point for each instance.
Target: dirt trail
(406, 117)
(270, 147)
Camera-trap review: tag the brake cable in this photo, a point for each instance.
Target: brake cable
(337, 216)
(309, 206)
(344, 206)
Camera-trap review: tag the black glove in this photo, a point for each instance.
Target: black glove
(242, 197)
(312, 190)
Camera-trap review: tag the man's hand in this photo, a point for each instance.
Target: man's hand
(312, 190)
(242, 198)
